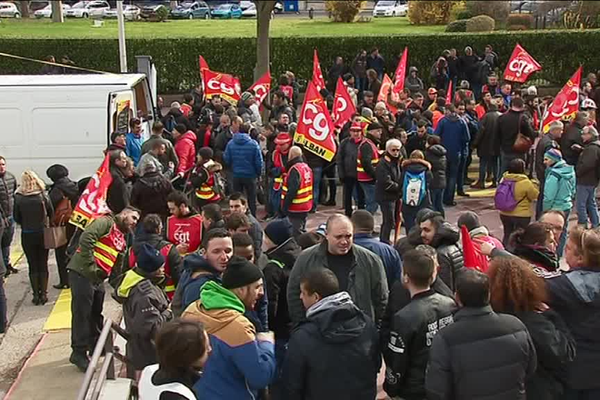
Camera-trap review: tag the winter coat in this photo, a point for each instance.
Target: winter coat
(185, 148)
(482, 355)
(244, 157)
(63, 187)
(174, 259)
(509, 125)
(118, 195)
(571, 136)
(560, 187)
(346, 158)
(436, 156)
(450, 256)
(544, 261)
(414, 84)
(588, 165)
(133, 147)
(174, 117)
(406, 350)
(576, 297)
(334, 354)
(277, 273)
(222, 139)
(375, 87)
(377, 63)
(145, 310)
(546, 143)
(150, 193)
(149, 159)
(389, 256)
(454, 134)
(29, 211)
(525, 192)
(256, 233)
(367, 283)
(388, 180)
(415, 142)
(8, 186)
(169, 156)
(468, 66)
(240, 364)
(417, 167)
(359, 67)
(487, 143)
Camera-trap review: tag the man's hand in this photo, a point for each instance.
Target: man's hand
(266, 337)
(487, 248)
(182, 248)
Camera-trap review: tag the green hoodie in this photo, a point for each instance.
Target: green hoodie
(214, 296)
(559, 189)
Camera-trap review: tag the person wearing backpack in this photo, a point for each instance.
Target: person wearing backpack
(514, 198)
(559, 190)
(63, 195)
(416, 180)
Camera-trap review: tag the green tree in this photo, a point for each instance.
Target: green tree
(430, 12)
(344, 11)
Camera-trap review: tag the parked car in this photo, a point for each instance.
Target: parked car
(248, 10)
(391, 8)
(85, 9)
(9, 10)
(191, 10)
(46, 12)
(227, 11)
(278, 7)
(130, 13)
(153, 12)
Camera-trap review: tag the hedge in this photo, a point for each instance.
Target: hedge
(177, 59)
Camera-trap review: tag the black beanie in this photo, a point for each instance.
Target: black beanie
(279, 230)
(469, 219)
(239, 273)
(56, 172)
(149, 259)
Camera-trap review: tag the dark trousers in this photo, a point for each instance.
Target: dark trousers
(409, 215)
(61, 257)
(389, 211)
(437, 200)
(5, 242)
(37, 260)
(3, 317)
(86, 312)
(349, 185)
(488, 165)
(298, 221)
(511, 224)
(248, 186)
(452, 169)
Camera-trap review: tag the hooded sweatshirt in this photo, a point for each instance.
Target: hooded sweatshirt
(243, 156)
(185, 148)
(560, 186)
(525, 193)
(240, 364)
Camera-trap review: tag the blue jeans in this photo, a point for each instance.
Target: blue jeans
(275, 200)
(6, 239)
(317, 176)
(586, 205)
(488, 165)
(437, 196)
(460, 180)
(452, 168)
(506, 158)
(562, 242)
(369, 190)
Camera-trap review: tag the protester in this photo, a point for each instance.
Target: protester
(358, 271)
(588, 178)
(118, 195)
(212, 218)
(435, 155)
(388, 186)
(571, 143)
(152, 158)
(185, 148)
(547, 142)
(150, 192)
(413, 82)
(376, 61)
(276, 168)
(508, 127)
(134, 140)
(238, 204)
(184, 225)
(359, 70)
(482, 354)
(297, 191)
(346, 158)
(487, 146)
(158, 130)
(479, 235)
(8, 186)
(536, 244)
(31, 209)
(418, 139)
(118, 141)
(416, 182)
(204, 179)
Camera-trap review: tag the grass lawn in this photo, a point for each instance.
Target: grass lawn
(283, 26)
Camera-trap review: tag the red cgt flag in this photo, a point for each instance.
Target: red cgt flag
(400, 73)
(262, 87)
(224, 85)
(343, 106)
(520, 66)
(92, 203)
(315, 129)
(317, 77)
(386, 86)
(203, 65)
(566, 102)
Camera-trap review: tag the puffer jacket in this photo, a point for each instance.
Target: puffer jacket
(150, 194)
(436, 156)
(571, 136)
(29, 211)
(145, 310)
(346, 158)
(388, 180)
(481, 356)
(185, 148)
(336, 333)
(525, 192)
(588, 166)
(560, 187)
(243, 156)
(454, 133)
(406, 350)
(450, 256)
(8, 186)
(546, 143)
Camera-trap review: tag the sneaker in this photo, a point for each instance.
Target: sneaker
(463, 194)
(81, 361)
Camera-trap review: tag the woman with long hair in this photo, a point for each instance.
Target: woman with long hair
(536, 244)
(32, 210)
(517, 290)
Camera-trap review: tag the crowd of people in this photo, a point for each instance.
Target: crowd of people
(222, 301)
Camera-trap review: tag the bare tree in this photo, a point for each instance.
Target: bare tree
(263, 25)
(25, 9)
(57, 15)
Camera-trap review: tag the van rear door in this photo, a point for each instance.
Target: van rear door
(120, 111)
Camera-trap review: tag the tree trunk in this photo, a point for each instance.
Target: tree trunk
(25, 9)
(263, 24)
(173, 4)
(57, 15)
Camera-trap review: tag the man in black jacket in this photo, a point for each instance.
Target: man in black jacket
(482, 354)
(508, 127)
(388, 185)
(588, 177)
(413, 329)
(118, 196)
(8, 186)
(335, 353)
(346, 159)
(417, 140)
(571, 143)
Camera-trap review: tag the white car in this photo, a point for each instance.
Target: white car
(46, 12)
(85, 9)
(248, 10)
(130, 13)
(391, 8)
(9, 10)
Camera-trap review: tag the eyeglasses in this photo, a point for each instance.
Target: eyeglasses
(394, 150)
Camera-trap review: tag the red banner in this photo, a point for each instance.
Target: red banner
(386, 86)
(315, 129)
(262, 87)
(343, 106)
(400, 74)
(520, 66)
(224, 85)
(317, 77)
(92, 203)
(449, 93)
(566, 102)
(203, 65)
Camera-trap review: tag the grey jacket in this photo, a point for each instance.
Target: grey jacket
(367, 283)
(8, 186)
(170, 155)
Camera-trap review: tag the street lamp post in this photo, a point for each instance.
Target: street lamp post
(122, 46)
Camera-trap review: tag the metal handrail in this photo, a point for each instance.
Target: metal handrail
(104, 344)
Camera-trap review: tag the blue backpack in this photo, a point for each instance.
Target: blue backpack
(504, 199)
(414, 188)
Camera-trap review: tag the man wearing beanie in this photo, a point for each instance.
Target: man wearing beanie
(297, 194)
(145, 305)
(276, 168)
(242, 362)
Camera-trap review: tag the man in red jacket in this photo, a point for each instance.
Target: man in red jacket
(185, 148)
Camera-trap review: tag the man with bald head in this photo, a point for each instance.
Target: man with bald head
(359, 271)
(297, 192)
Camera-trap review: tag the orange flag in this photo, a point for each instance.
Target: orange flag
(566, 102)
(92, 203)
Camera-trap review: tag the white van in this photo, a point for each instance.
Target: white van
(67, 119)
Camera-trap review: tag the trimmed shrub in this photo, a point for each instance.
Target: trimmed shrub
(517, 28)
(344, 11)
(457, 26)
(464, 15)
(428, 12)
(498, 10)
(481, 23)
(525, 20)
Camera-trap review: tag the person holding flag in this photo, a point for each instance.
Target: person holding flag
(277, 168)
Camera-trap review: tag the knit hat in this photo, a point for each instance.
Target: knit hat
(149, 259)
(239, 273)
(246, 96)
(554, 155)
(469, 219)
(279, 230)
(374, 126)
(56, 172)
(283, 138)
